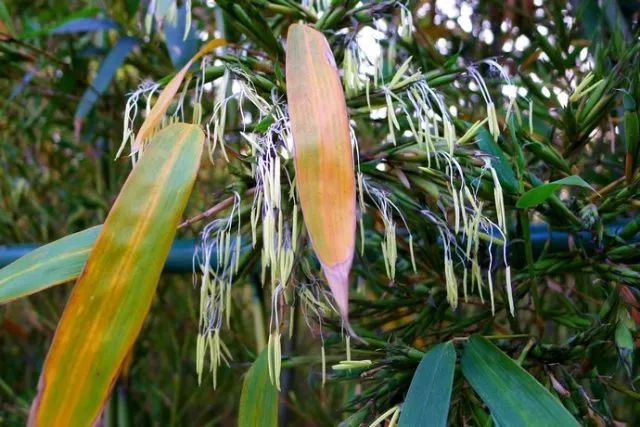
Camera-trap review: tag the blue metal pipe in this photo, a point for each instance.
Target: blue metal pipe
(180, 259)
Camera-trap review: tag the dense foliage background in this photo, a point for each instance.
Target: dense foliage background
(63, 95)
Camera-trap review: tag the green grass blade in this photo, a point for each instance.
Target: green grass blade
(539, 194)
(513, 396)
(430, 391)
(259, 398)
(47, 266)
(110, 301)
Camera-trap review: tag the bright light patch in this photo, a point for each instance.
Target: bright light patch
(584, 54)
(381, 25)
(486, 36)
(448, 8)
(368, 40)
(522, 42)
(378, 113)
(563, 98)
(509, 91)
(441, 45)
(422, 10)
(465, 23)
(236, 87)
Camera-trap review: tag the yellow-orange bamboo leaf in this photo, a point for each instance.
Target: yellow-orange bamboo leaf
(168, 93)
(112, 296)
(325, 176)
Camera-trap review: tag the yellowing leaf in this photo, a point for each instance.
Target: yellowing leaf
(113, 294)
(325, 176)
(168, 93)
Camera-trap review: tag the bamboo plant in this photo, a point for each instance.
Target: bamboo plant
(373, 226)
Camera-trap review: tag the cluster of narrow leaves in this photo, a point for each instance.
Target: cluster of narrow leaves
(512, 395)
(463, 180)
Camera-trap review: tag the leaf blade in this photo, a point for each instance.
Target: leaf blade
(108, 68)
(501, 164)
(259, 397)
(81, 25)
(166, 96)
(180, 49)
(429, 394)
(539, 194)
(89, 11)
(325, 177)
(47, 266)
(513, 396)
(108, 305)
(5, 18)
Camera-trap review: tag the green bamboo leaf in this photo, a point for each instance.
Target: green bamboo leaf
(259, 398)
(180, 49)
(46, 28)
(108, 68)
(430, 390)
(110, 301)
(82, 25)
(5, 18)
(47, 266)
(513, 396)
(539, 194)
(625, 342)
(547, 153)
(500, 162)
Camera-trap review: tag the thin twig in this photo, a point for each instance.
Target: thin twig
(604, 190)
(37, 50)
(215, 209)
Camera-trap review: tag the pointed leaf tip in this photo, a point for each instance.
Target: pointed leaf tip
(338, 280)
